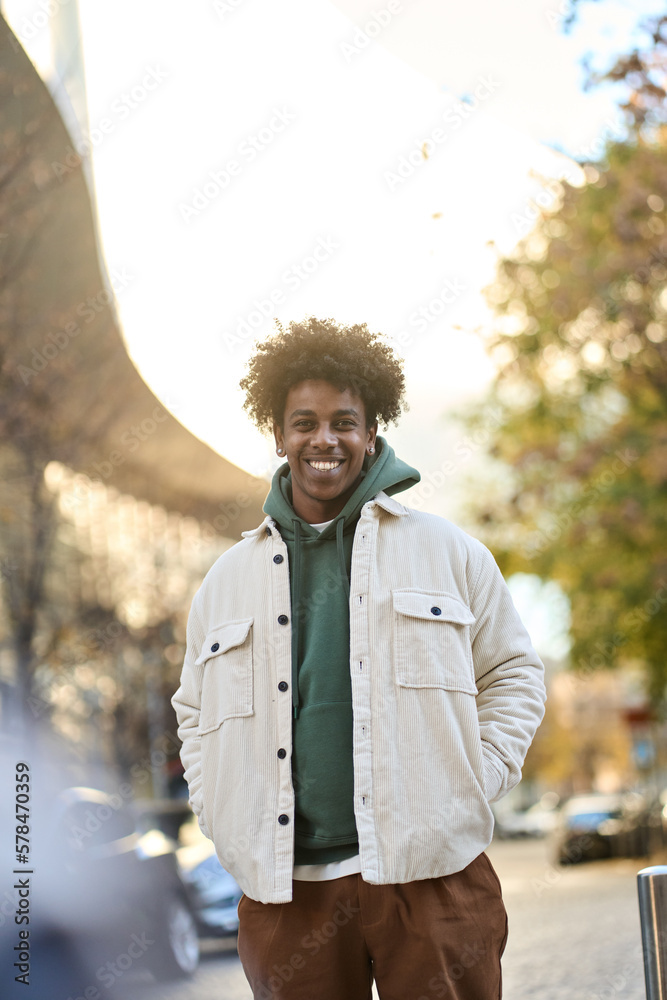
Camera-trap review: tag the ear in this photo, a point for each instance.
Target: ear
(372, 434)
(278, 436)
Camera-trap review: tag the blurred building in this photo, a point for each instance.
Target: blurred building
(599, 735)
(110, 510)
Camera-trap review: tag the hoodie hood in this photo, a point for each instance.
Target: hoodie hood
(381, 472)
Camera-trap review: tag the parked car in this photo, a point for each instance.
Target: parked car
(106, 900)
(605, 826)
(215, 892)
(540, 820)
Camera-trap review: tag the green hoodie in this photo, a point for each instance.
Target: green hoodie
(322, 772)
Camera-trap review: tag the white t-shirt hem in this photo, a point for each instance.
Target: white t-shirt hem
(327, 872)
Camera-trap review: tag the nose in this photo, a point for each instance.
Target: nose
(324, 437)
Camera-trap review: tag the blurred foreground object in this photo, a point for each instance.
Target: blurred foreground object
(652, 891)
(215, 894)
(107, 902)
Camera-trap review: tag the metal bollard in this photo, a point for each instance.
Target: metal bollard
(652, 889)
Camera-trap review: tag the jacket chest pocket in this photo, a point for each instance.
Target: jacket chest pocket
(432, 646)
(227, 688)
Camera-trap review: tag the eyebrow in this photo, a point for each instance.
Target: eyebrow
(351, 412)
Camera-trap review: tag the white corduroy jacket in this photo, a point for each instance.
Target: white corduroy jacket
(447, 692)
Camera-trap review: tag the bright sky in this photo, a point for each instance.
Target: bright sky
(255, 159)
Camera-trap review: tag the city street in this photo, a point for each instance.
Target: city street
(574, 935)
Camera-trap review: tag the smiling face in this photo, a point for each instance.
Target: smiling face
(325, 438)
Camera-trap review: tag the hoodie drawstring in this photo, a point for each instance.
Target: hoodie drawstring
(341, 556)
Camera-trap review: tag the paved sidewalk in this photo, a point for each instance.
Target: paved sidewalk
(574, 935)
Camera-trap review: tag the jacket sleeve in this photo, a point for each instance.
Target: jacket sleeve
(187, 705)
(509, 676)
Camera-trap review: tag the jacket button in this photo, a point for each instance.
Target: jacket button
(283, 619)
(277, 559)
(436, 611)
(282, 753)
(283, 819)
(283, 686)
(267, 530)
(215, 647)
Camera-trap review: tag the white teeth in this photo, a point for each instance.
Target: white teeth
(323, 466)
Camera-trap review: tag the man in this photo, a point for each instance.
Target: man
(357, 688)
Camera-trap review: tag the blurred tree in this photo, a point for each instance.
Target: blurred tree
(580, 471)
(641, 74)
(582, 744)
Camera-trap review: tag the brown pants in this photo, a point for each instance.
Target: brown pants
(439, 937)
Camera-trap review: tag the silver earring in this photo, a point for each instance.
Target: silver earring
(371, 450)
(280, 451)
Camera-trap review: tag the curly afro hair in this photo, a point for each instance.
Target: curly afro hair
(349, 357)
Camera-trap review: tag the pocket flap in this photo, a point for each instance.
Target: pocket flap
(223, 638)
(432, 607)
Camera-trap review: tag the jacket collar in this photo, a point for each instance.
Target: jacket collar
(381, 500)
(268, 522)
(389, 504)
